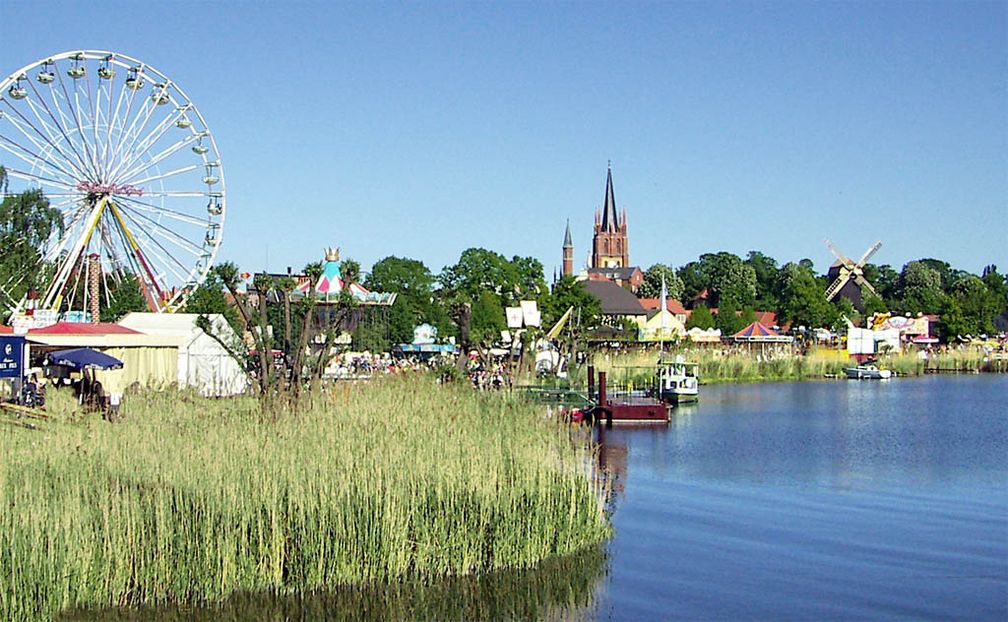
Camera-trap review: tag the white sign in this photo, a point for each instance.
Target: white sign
(530, 313)
(514, 317)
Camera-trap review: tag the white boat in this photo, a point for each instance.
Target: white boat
(678, 382)
(867, 372)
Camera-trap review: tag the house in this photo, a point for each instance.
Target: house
(631, 277)
(673, 306)
(618, 304)
(662, 325)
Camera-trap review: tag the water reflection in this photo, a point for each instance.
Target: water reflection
(559, 589)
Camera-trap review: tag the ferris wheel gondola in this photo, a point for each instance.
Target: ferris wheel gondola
(139, 182)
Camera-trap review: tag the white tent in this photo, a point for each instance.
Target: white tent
(203, 363)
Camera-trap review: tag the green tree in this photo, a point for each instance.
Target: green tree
(567, 293)
(529, 279)
(844, 308)
(479, 270)
(123, 297)
(487, 318)
(803, 298)
(350, 271)
(747, 318)
(27, 221)
(953, 323)
(700, 317)
(766, 270)
(873, 304)
(997, 284)
(948, 274)
(726, 276)
(210, 299)
(651, 287)
(693, 280)
(413, 284)
(920, 288)
(977, 304)
(727, 318)
(403, 276)
(883, 278)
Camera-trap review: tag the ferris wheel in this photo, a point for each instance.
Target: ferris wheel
(125, 156)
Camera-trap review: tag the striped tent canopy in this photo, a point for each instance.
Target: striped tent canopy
(758, 332)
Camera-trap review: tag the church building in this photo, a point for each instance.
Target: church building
(610, 257)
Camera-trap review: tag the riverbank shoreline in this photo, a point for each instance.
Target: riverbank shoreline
(719, 367)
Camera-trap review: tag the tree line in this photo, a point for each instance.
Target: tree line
(967, 303)
(466, 300)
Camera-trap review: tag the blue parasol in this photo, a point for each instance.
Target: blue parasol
(84, 358)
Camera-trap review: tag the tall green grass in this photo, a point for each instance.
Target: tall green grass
(190, 500)
(721, 366)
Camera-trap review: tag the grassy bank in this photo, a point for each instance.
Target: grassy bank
(190, 500)
(717, 366)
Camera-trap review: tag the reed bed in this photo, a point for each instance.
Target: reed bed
(723, 366)
(190, 500)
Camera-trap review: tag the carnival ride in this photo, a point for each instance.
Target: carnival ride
(126, 157)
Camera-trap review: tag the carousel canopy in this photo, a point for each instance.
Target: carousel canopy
(758, 332)
(331, 284)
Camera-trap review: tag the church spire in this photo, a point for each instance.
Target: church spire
(568, 253)
(610, 222)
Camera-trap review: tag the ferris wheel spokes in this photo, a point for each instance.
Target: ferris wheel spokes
(36, 160)
(150, 140)
(167, 234)
(52, 144)
(76, 252)
(130, 193)
(163, 211)
(154, 161)
(80, 130)
(50, 133)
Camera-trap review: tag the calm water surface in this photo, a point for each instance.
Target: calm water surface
(838, 500)
(806, 501)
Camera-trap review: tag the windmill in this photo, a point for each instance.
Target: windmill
(848, 275)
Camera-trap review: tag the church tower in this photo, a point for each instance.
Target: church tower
(568, 253)
(609, 247)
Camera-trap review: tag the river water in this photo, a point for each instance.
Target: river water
(816, 500)
(837, 500)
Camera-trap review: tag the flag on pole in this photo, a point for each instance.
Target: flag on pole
(664, 295)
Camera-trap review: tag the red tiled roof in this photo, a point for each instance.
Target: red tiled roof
(766, 318)
(80, 328)
(5, 330)
(671, 304)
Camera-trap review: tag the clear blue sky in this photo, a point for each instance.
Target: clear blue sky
(423, 129)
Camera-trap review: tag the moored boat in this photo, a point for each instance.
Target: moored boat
(678, 382)
(867, 372)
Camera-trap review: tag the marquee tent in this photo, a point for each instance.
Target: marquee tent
(699, 335)
(203, 362)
